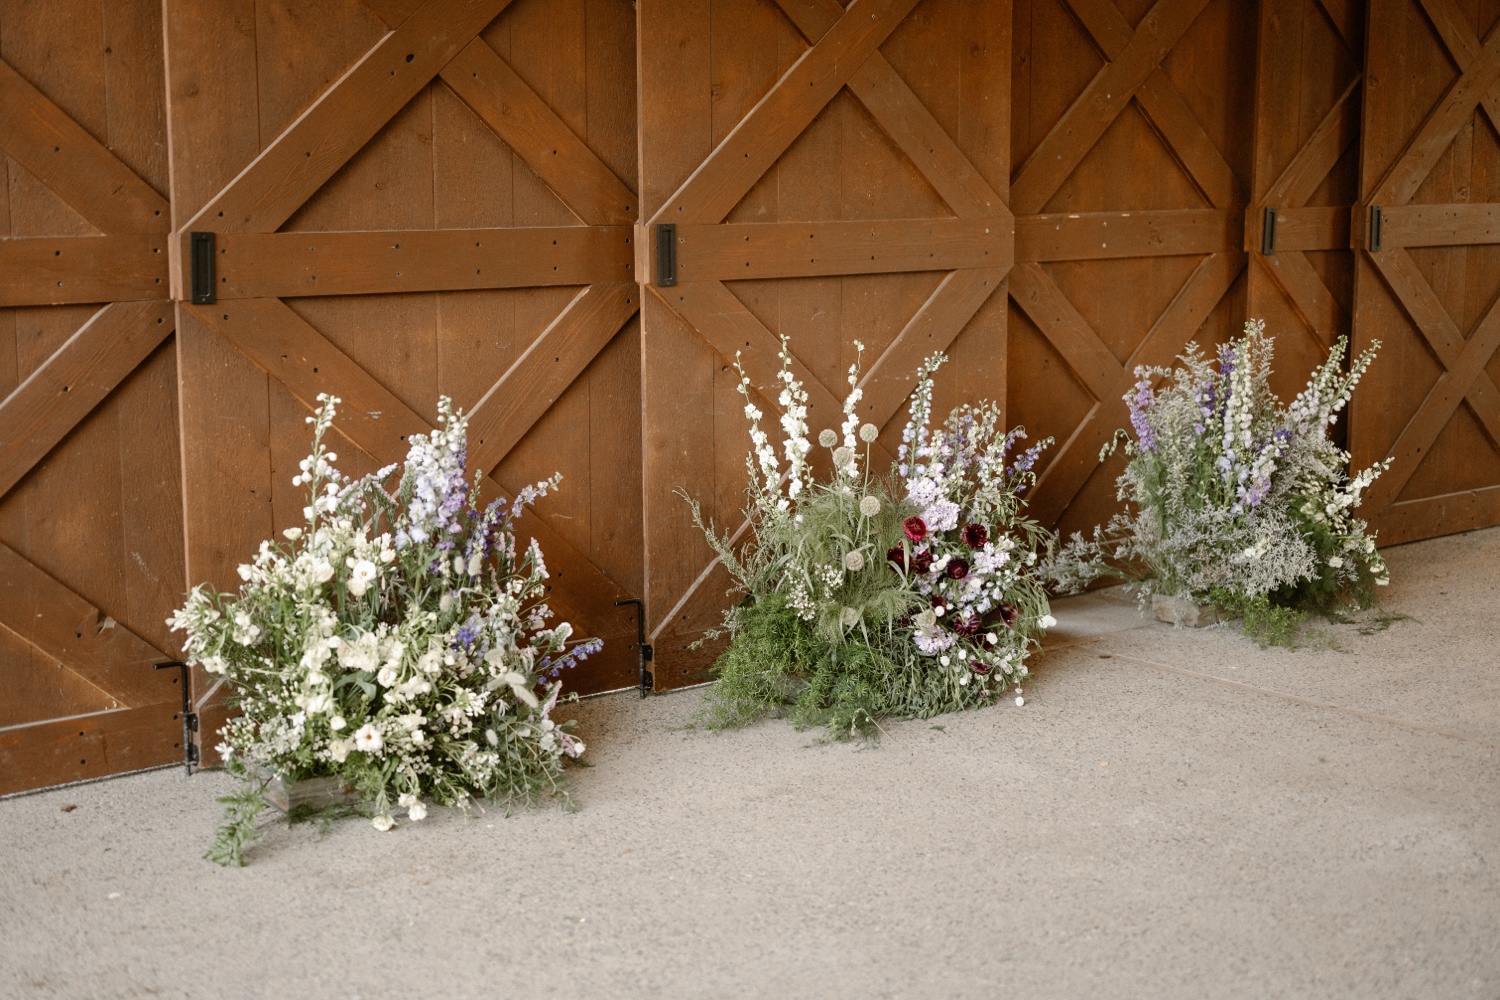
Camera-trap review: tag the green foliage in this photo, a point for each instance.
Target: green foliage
(238, 833)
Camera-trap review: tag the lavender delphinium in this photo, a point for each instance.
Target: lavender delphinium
(1234, 498)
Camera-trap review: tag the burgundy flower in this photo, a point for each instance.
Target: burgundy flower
(1007, 613)
(967, 626)
(980, 667)
(921, 562)
(916, 528)
(957, 569)
(975, 535)
(896, 555)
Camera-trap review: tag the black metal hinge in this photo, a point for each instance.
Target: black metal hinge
(201, 268)
(666, 255)
(189, 717)
(644, 653)
(1375, 229)
(1268, 232)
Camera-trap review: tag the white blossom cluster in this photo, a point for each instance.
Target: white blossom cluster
(395, 640)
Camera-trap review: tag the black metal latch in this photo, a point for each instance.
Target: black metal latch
(189, 717)
(666, 258)
(201, 269)
(644, 652)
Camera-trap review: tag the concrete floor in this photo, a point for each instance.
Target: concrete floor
(1173, 813)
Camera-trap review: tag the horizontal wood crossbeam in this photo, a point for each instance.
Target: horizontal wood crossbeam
(279, 265)
(291, 351)
(804, 249)
(526, 124)
(59, 270)
(90, 746)
(1320, 227)
(1479, 83)
(1438, 225)
(1105, 378)
(346, 117)
(73, 164)
(1463, 378)
(1059, 153)
(1108, 235)
(41, 411)
(753, 145)
(533, 383)
(78, 635)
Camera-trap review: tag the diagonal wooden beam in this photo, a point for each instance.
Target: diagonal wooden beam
(1320, 153)
(889, 381)
(41, 411)
(1101, 102)
(1436, 326)
(516, 401)
(54, 270)
(291, 351)
(1078, 457)
(73, 164)
(1436, 133)
(905, 118)
(752, 146)
(1348, 19)
(1462, 44)
(1091, 361)
(526, 124)
(1301, 286)
(79, 636)
(346, 117)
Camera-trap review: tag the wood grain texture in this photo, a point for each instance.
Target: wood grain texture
(1440, 225)
(59, 270)
(50, 144)
(89, 746)
(789, 249)
(1106, 235)
(41, 411)
(525, 123)
(279, 265)
(345, 117)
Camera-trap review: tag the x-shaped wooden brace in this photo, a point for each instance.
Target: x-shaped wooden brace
(438, 38)
(1133, 71)
(1464, 379)
(127, 267)
(977, 246)
(1299, 228)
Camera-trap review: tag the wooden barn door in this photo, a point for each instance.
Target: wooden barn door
(1308, 82)
(1132, 133)
(1428, 279)
(407, 199)
(833, 174)
(90, 528)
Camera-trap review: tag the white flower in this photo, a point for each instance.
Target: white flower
(292, 534)
(827, 437)
(416, 812)
(383, 822)
(941, 515)
(491, 737)
(387, 676)
(1047, 621)
(1382, 581)
(1335, 561)
(1020, 701)
(992, 638)
(849, 616)
(854, 561)
(337, 723)
(339, 749)
(869, 506)
(364, 574)
(368, 739)
(868, 433)
(842, 456)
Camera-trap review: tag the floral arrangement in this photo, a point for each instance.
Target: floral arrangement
(866, 597)
(397, 641)
(1234, 499)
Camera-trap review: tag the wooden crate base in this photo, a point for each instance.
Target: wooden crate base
(319, 793)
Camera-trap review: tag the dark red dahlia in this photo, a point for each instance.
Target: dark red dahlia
(1007, 613)
(967, 626)
(896, 555)
(957, 569)
(916, 528)
(921, 562)
(975, 535)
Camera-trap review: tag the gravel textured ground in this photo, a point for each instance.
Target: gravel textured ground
(1173, 813)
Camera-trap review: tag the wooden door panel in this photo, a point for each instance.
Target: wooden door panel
(1133, 155)
(1428, 280)
(90, 524)
(437, 204)
(834, 174)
